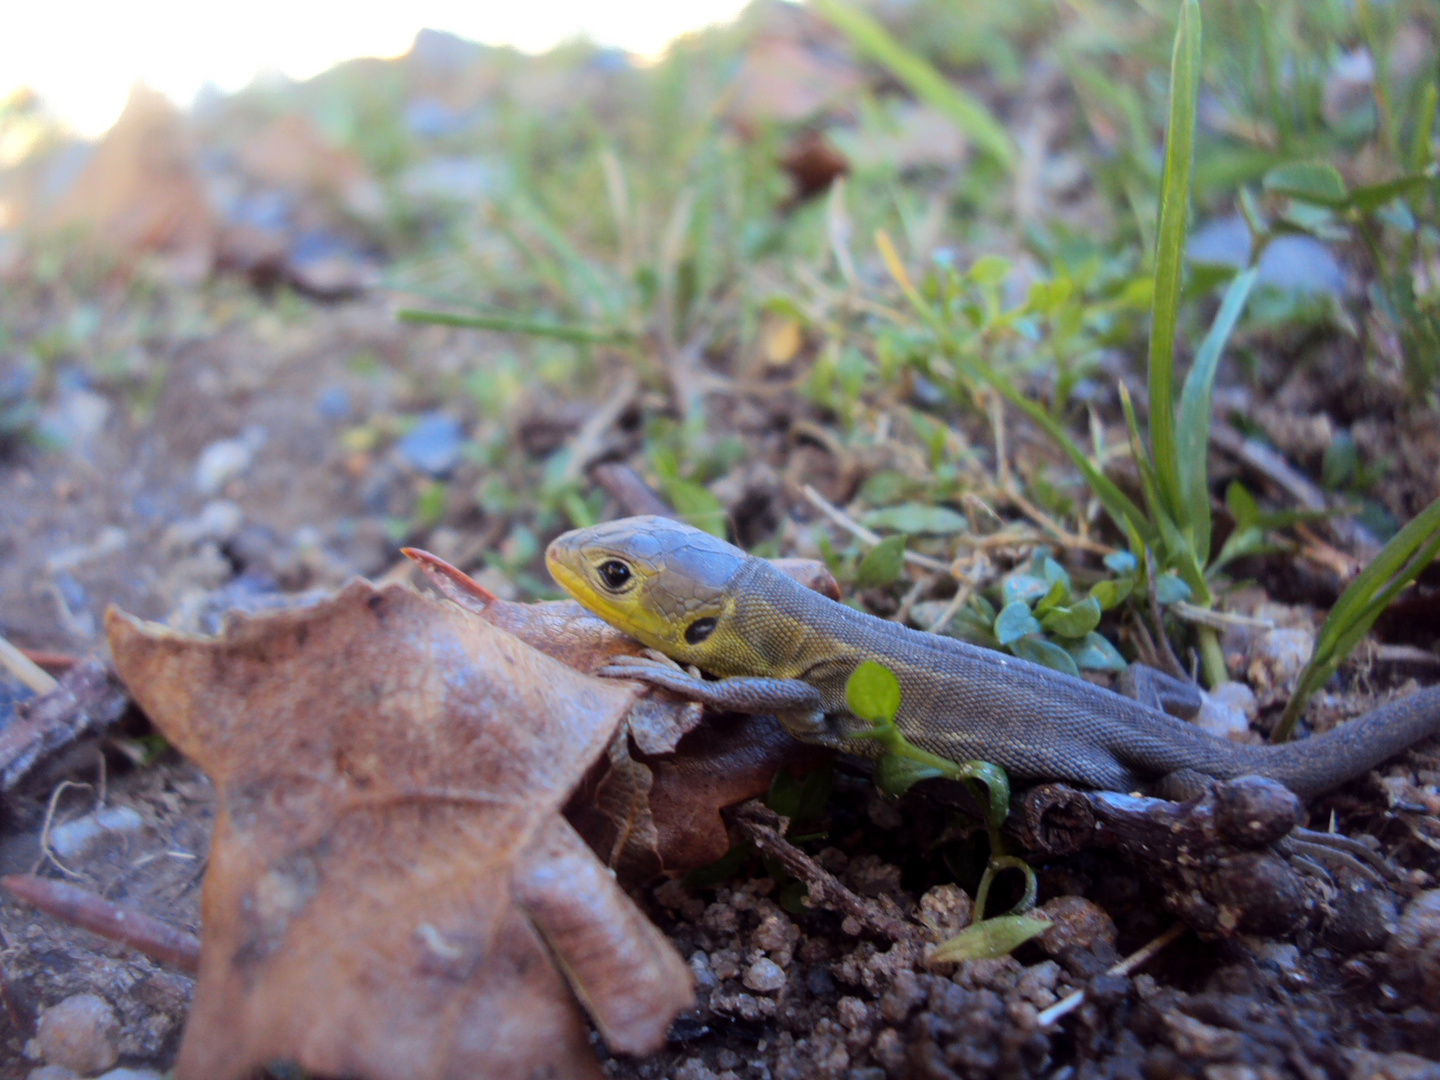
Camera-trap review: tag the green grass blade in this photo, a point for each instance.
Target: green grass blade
(1170, 250)
(510, 324)
(1173, 548)
(1399, 563)
(1128, 517)
(1193, 434)
(1425, 114)
(968, 113)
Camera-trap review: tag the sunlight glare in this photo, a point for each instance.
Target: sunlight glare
(82, 57)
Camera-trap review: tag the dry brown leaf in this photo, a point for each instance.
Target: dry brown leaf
(391, 890)
(141, 191)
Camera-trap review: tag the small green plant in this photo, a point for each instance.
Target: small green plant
(1401, 561)
(873, 694)
(1038, 614)
(1175, 524)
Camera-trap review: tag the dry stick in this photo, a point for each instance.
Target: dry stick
(968, 585)
(588, 442)
(1002, 456)
(1007, 487)
(864, 535)
(765, 829)
(959, 600)
(1167, 653)
(629, 489)
(911, 597)
(49, 658)
(25, 669)
(46, 852)
(145, 933)
(1217, 620)
(1124, 967)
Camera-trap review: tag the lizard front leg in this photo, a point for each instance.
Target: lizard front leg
(797, 704)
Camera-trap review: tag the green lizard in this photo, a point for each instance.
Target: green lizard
(778, 647)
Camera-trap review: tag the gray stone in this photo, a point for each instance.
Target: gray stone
(433, 445)
(764, 976)
(1221, 715)
(223, 461)
(74, 837)
(1294, 263)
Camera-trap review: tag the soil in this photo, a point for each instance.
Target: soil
(785, 991)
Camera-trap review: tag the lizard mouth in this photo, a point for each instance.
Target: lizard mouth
(559, 557)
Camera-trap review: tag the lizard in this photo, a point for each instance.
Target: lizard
(774, 646)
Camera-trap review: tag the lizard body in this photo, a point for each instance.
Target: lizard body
(777, 647)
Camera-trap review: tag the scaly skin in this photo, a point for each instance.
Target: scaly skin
(777, 647)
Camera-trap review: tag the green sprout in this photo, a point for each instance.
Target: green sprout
(873, 693)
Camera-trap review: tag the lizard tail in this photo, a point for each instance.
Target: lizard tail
(1312, 766)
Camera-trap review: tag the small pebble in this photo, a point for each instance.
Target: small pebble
(853, 1013)
(220, 520)
(764, 976)
(1237, 696)
(947, 910)
(433, 445)
(1415, 947)
(1219, 716)
(74, 837)
(223, 461)
(76, 421)
(1279, 657)
(1075, 921)
(79, 1033)
(334, 403)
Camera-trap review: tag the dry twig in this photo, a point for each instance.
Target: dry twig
(766, 830)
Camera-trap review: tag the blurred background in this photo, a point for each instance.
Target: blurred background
(285, 287)
(651, 236)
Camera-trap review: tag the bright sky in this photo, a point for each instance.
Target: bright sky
(82, 56)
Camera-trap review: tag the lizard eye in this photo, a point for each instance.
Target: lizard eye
(699, 630)
(614, 574)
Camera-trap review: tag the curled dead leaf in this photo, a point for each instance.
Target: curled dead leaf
(391, 890)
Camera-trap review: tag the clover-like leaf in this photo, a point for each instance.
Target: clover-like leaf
(1054, 573)
(1309, 181)
(873, 693)
(1121, 562)
(1058, 594)
(1094, 652)
(1039, 651)
(1171, 589)
(883, 564)
(1074, 621)
(917, 519)
(1014, 622)
(1112, 592)
(1025, 587)
(990, 939)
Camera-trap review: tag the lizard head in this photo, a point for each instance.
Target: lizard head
(664, 583)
